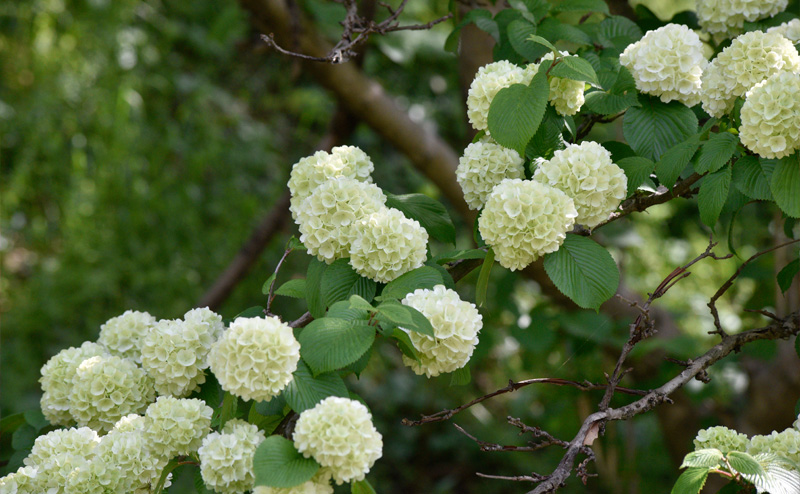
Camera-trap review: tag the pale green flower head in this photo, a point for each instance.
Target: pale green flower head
(726, 17)
(176, 426)
(23, 481)
(789, 30)
(338, 433)
(56, 454)
(489, 80)
(524, 220)
(585, 173)
(122, 335)
(455, 323)
(484, 165)
(255, 358)
(771, 116)
(720, 438)
(174, 356)
(226, 459)
(56, 380)
(785, 444)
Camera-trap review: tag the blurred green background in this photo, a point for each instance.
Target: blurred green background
(142, 141)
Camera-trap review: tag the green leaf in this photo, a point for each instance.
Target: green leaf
(713, 194)
(361, 487)
(575, 68)
(518, 33)
(359, 365)
(617, 32)
(404, 343)
(451, 44)
(548, 138)
(272, 407)
(716, 151)
(304, 391)
(256, 311)
(267, 423)
(24, 437)
(582, 6)
(554, 30)
(655, 127)
(340, 281)
(637, 169)
(706, 458)
(461, 376)
(199, 484)
(750, 178)
(483, 278)
(276, 463)
(787, 275)
(328, 344)
(583, 271)
(392, 313)
(266, 285)
(538, 39)
(357, 302)
(782, 476)
(539, 8)
(316, 304)
(294, 243)
(785, 184)
(745, 464)
(430, 214)
(691, 481)
(36, 419)
(230, 405)
(517, 111)
(621, 96)
(295, 288)
(422, 277)
(456, 255)
(675, 160)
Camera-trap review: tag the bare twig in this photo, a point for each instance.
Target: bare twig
(302, 321)
(586, 125)
(271, 295)
(516, 478)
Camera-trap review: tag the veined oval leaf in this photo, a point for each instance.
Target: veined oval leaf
(277, 463)
(583, 271)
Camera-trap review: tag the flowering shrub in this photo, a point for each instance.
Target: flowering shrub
(226, 458)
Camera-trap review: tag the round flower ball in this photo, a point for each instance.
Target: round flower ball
(56, 380)
(525, 219)
(129, 435)
(387, 244)
(320, 483)
(174, 354)
(667, 62)
(785, 444)
(208, 326)
(255, 357)
(105, 389)
(338, 433)
(122, 335)
(312, 171)
(23, 481)
(789, 30)
(489, 80)
(720, 438)
(566, 95)
(484, 165)
(726, 17)
(771, 116)
(586, 174)
(56, 454)
(455, 323)
(226, 458)
(327, 218)
(751, 58)
(175, 426)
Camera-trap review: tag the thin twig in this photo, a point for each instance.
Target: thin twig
(271, 295)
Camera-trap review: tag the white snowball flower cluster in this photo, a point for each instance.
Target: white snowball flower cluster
(122, 335)
(455, 323)
(720, 438)
(56, 454)
(566, 95)
(106, 388)
(176, 426)
(320, 483)
(525, 219)
(667, 62)
(327, 218)
(23, 481)
(489, 80)
(785, 444)
(484, 165)
(122, 442)
(586, 174)
(56, 380)
(338, 433)
(727, 16)
(751, 58)
(789, 30)
(226, 459)
(255, 357)
(174, 355)
(771, 116)
(387, 245)
(208, 325)
(312, 171)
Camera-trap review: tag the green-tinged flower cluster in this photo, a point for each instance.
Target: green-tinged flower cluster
(56, 380)
(320, 483)
(327, 218)
(566, 95)
(724, 17)
(56, 454)
(525, 219)
(23, 481)
(226, 458)
(338, 433)
(484, 165)
(388, 244)
(489, 80)
(789, 30)
(312, 171)
(771, 116)
(170, 356)
(751, 58)
(720, 438)
(785, 444)
(667, 62)
(455, 323)
(176, 426)
(122, 335)
(586, 174)
(105, 389)
(255, 357)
